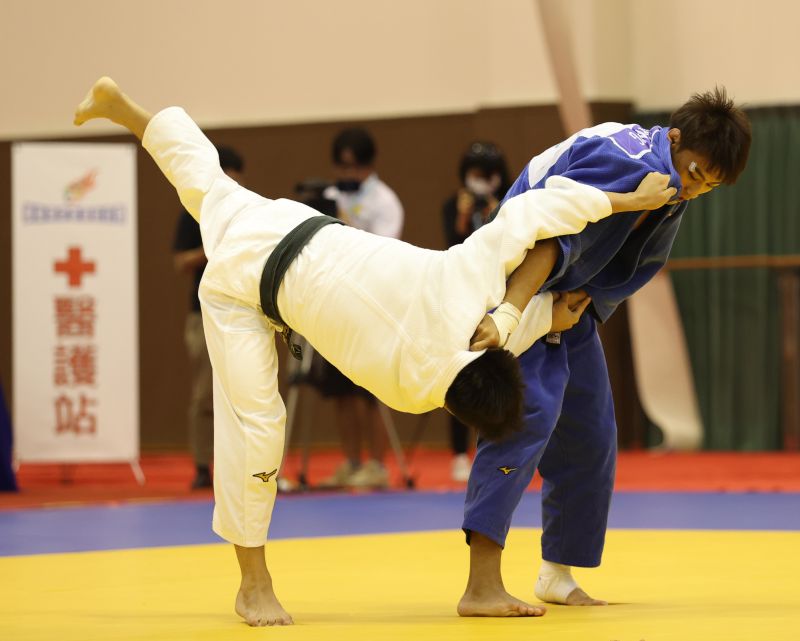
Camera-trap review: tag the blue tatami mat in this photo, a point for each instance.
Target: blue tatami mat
(37, 531)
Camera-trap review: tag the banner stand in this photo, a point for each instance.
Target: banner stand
(135, 466)
(137, 472)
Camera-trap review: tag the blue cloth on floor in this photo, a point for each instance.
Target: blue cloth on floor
(8, 483)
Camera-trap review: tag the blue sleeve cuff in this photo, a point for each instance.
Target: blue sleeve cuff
(599, 308)
(565, 246)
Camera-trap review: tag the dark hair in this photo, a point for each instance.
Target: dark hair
(712, 125)
(356, 140)
(230, 159)
(486, 157)
(487, 395)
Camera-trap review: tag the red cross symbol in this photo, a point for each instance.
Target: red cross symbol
(74, 267)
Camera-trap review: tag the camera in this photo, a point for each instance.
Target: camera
(311, 192)
(480, 202)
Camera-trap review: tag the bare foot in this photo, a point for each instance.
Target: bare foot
(99, 102)
(579, 597)
(485, 595)
(496, 603)
(259, 606)
(106, 100)
(256, 602)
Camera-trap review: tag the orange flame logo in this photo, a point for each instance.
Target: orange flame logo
(77, 190)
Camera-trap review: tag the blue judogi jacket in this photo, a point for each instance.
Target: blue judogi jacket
(609, 259)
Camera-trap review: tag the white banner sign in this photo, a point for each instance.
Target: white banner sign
(75, 312)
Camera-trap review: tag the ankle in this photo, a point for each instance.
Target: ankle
(548, 568)
(480, 587)
(255, 581)
(485, 557)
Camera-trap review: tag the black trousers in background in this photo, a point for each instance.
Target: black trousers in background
(459, 436)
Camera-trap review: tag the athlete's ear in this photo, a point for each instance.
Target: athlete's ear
(674, 136)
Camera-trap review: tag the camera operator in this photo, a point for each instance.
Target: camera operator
(484, 181)
(363, 201)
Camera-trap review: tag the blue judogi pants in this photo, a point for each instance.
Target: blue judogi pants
(570, 435)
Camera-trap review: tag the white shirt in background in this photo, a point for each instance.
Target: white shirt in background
(374, 207)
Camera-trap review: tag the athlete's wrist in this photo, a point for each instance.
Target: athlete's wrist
(506, 318)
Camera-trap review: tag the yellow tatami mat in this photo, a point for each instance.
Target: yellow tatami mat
(670, 585)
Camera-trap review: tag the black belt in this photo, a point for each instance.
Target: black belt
(277, 264)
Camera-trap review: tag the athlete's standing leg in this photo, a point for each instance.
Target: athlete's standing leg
(577, 469)
(249, 421)
(500, 474)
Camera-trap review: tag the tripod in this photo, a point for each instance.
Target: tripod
(298, 376)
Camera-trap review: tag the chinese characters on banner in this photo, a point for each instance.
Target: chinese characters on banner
(75, 310)
(74, 362)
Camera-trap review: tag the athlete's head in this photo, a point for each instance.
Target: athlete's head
(353, 153)
(231, 162)
(487, 395)
(710, 140)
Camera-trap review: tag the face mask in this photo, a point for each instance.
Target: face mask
(481, 186)
(348, 186)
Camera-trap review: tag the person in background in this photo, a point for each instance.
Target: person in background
(484, 181)
(363, 201)
(189, 258)
(8, 482)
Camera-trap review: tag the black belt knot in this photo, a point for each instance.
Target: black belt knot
(275, 268)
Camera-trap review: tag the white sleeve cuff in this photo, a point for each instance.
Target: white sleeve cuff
(536, 320)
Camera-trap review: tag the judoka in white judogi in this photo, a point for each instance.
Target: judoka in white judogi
(395, 318)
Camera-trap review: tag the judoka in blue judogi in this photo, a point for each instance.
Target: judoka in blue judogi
(570, 431)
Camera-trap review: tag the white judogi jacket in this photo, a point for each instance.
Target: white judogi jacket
(394, 318)
(397, 319)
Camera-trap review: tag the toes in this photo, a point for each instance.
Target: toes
(260, 622)
(287, 620)
(531, 610)
(79, 118)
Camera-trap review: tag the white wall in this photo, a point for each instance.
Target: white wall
(235, 62)
(683, 46)
(257, 61)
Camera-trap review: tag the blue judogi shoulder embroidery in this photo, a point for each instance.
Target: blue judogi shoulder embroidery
(609, 259)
